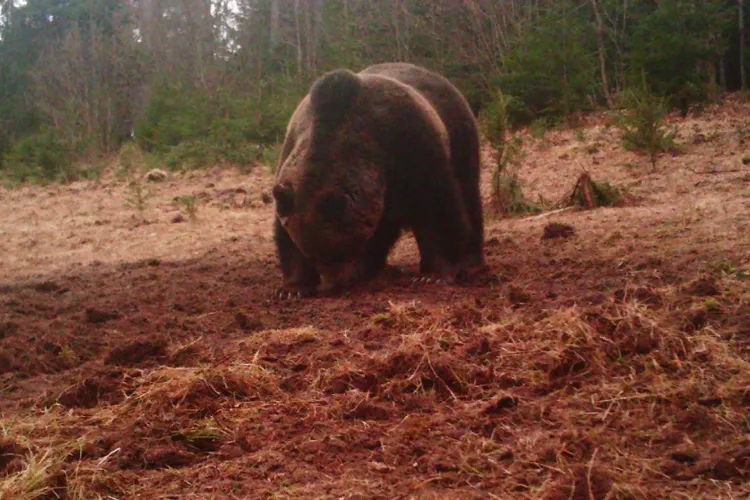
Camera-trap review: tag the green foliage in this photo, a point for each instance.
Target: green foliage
(507, 195)
(201, 153)
(172, 115)
(538, 128)
(190, 128)
(37, 30)
(130, 160)
(41, 157)
(190, 205)
(641, 124)
(494, 120)
(605, 194)
(552, 69)
(138, 197)
(671, 43)
(725, 268)
(209, 89)
(590, 194)
(269, 156)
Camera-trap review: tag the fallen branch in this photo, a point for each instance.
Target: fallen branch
(553, 212)
(730, 171)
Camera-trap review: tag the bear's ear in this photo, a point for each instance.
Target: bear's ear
(284, 195)
(331, 206)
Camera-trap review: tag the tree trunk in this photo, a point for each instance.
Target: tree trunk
(399, 56)
(274, 28)
(602, 53)
(435, 12)
(148, 24)
(298, 28)
(317, 19)
(743, 73)
(313, 19)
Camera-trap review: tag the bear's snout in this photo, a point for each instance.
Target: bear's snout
(284, 195)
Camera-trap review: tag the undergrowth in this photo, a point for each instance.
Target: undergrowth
(138, 197)
(641, 124)
(190, 206)
(40, 158)
(130, 161)
(588, 193)
(507, 193)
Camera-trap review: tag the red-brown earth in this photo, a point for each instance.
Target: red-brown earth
(603, 357)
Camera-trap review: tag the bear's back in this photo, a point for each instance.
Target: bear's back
(450, 105)
(438, 90)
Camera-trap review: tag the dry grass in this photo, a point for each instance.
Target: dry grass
(609, 364)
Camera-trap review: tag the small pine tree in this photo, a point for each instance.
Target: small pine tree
(130, 160)
(189, 204)
(507, 196)
(138, 197)
(641, 123)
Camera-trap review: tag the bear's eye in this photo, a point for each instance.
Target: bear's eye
(284, 196)
(331, 206)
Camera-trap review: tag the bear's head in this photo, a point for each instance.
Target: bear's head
(332, 217)
(330, 189)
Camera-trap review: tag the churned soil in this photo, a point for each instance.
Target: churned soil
(603, 354)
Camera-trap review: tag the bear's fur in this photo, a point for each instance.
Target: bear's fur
(366, 156)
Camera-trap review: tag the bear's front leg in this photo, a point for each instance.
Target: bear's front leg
(441, 257)
(301, 277)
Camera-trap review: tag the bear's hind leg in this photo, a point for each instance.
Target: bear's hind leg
(474, 258)
(442, 231)
(301, 278)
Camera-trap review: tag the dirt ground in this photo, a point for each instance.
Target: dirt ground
(143, 356)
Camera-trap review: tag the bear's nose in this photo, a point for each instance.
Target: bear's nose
(284, 196)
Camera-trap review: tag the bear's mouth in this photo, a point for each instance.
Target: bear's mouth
(324, 248)
(338, 256)
(327, 244)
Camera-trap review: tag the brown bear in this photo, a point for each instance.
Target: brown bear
(367, 156)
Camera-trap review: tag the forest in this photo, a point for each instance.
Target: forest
(194, 83)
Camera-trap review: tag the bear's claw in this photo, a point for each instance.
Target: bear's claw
(282, 294)
(429, 279)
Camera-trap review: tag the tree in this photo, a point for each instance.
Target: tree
(602, 53)
(197, 76)
(674, 43)
(552, 68)
(82, 80)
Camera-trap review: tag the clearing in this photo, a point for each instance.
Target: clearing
(145, 358)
